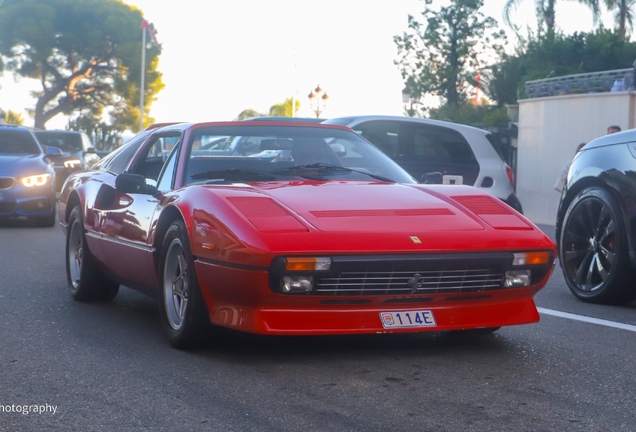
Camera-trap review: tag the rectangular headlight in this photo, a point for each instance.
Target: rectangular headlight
(308, 264)
(517, 278)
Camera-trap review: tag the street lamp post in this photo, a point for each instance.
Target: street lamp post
(408, 100)
(318, 100)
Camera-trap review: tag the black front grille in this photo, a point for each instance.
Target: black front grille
(417, 275)
(6, 182)
(414, 281)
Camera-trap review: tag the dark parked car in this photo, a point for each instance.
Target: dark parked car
(596, 221)
(77, 148)
(26, 176)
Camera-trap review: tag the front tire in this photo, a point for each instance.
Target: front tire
(184, 314)
(86, 282)
(593, 249)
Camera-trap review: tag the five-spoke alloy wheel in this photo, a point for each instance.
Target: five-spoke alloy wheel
(86, 281)
(593, 249)
(183, 311)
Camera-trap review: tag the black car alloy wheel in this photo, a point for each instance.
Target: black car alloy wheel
(593, 249)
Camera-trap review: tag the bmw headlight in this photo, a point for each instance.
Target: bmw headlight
(36, 180)
(72, 163)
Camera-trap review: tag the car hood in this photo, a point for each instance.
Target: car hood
(351, 217)
(22, 165)
(370, 207)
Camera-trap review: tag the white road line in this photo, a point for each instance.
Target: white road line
(587, 319)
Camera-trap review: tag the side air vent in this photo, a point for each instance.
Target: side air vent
(482, 205)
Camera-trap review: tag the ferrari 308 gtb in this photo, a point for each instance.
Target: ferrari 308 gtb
(289, 229)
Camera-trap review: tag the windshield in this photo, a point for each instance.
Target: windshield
(228, 154)
(18, 142)
(68, 142)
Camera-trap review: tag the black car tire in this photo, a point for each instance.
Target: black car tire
(86, 281)
(593, 249)
(184, 314)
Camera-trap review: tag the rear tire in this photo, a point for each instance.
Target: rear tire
(593, 249)
(86, 281)
(184, 314)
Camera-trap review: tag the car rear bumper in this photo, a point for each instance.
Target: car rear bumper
(241, 299)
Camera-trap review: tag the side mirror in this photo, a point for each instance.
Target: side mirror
(53, 151)
(435, 177)
(134, 183)
(90, 150)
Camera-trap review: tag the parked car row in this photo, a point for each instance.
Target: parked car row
(34, 165)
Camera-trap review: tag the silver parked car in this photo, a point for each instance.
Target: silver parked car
(462, 154)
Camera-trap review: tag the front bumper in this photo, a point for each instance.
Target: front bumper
(38, 201)
(241, 299)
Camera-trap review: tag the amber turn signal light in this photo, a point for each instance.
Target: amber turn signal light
(531, 258)
(308, 263)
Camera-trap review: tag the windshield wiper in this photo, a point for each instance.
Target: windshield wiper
(234, 174)
(321, 168)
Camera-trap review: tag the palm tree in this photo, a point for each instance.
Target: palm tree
(546, 10)
(15, 118)
(624, 15)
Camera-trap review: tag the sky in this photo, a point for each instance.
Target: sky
(221, 57)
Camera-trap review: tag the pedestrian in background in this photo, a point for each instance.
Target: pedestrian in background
(3, 120)
(613, 129)
(558, 186)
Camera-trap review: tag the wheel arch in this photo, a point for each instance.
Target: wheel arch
(73, 200)
(169, 215)
(584, 183)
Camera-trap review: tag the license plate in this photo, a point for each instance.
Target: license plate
(409, 318)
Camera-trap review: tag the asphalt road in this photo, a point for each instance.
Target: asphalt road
(107, 367)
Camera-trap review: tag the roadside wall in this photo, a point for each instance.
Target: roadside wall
(550, 129)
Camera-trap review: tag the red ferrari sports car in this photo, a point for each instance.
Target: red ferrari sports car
(288, 228)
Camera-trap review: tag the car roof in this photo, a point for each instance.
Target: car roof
(244, 124)
(611, 139)
(286, 119)
(57, 131)
(15, 127)
(364, 118)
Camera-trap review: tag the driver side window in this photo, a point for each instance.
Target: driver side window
(152, 159)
